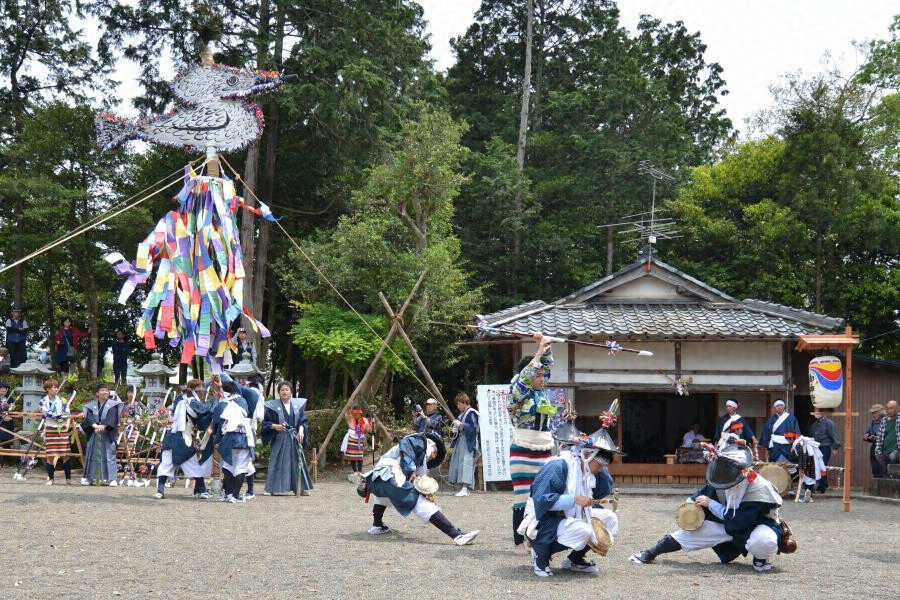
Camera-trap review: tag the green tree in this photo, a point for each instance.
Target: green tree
(400, 226)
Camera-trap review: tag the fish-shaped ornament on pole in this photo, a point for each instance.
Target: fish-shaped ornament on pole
(194, 252)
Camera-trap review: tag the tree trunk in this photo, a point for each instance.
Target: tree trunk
(50, 319)
(819, 266)
(309, 375)
(523, 136)
(539, 67)
(610, 247)
(248, 227)
(332, 381)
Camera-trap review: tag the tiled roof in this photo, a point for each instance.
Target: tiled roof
(664, 320)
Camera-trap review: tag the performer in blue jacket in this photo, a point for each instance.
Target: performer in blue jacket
(561, 507)
(391, 482)
(233, 429)
(740, 509)
(189, 414)
(780, 432)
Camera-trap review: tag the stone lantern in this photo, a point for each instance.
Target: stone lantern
(156, 380)
(33, 374)
(245, 369)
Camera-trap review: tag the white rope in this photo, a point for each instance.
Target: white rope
(87, 227)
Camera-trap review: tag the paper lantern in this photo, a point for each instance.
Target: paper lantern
(826, 382)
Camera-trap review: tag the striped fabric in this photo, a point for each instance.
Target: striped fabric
(524, 464)
(355, 448)
(57, 441)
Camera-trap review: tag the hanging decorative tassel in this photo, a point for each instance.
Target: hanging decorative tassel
(198, 288)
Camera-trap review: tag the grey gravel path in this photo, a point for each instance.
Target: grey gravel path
(75, 542)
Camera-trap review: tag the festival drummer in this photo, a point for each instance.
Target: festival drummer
(560, 514)
(399, 479)
(780, 432)
(739, 514)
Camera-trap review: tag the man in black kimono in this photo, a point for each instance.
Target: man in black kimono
(284, 429)
(101, 425)
(740, 507)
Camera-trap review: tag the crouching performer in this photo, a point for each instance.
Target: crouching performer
(189, 414)
(562, 512)
(739, 513)
(399, 479)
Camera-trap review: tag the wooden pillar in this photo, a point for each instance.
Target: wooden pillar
(848, 424)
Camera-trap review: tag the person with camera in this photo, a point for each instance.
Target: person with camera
(430, 420)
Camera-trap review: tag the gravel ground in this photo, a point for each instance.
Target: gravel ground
(72, 541)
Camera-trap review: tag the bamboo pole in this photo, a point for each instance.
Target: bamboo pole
(422, 368)
(373, 368)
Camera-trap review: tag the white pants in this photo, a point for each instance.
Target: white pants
(206, 468)
(575, 533)
(242, 464)
(762, 543)
(423, 509)
(191, 467)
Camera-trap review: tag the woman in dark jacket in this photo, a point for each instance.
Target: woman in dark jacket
(68, 337)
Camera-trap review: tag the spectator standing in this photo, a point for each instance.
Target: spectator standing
(4, 361)
(120, 348)
(822, 430)
(16, 331)
(244, 345)
(68, 337)
(871, 436)
(431, 421)
(886, 445)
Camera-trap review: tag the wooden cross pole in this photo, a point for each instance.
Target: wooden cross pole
(422, 368)
(371, 371)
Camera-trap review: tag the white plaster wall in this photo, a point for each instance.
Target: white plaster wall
(589, 357)
(644, 288)
(560, 371)
(732, 356)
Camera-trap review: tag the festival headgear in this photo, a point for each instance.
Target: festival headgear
(601, 440)
(778, 402)
(729, 466)
(731, 403)
(431, 401)
(441, 449)
(15, 307)
(876, 408)
(100, 386)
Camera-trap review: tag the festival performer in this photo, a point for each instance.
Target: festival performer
(284, 429)
(353, 446)
(235, 437)
(6, 421)
(465, 428)
(189, 414)
(812, 465)
(780, 432)
(132, 412)
(392, 482)
(732, 422)
(56, 431)
(740, 509)
(101, 425)
(560, 510)
(255, 409)
(531, 411)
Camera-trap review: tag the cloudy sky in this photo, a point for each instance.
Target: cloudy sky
(755, 41)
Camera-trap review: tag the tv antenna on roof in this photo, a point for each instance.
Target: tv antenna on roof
(648, 226)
